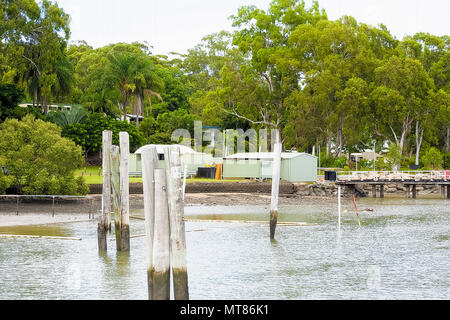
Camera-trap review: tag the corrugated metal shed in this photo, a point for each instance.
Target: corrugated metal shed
(295, 166)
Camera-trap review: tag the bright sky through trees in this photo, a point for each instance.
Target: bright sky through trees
(178, 25)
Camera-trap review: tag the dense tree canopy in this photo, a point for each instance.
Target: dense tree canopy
(342, 85)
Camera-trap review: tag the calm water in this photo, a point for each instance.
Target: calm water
(402, 251)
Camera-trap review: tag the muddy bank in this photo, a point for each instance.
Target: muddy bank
(207, 194)
(245, 186)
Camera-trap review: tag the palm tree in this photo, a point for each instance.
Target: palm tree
(134, 74)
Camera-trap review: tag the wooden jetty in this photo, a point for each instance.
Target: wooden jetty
(410, 179)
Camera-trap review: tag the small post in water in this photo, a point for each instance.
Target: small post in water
(339, 206)
(276, 171)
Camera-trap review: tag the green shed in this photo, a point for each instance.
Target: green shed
(295, 166)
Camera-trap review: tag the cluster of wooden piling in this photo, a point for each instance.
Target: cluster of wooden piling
(165, 229)
(115, 198)
(163, 208)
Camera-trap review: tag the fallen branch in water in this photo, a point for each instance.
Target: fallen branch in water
(36, 237)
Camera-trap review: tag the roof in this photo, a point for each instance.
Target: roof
(160, 148)
(267, 155)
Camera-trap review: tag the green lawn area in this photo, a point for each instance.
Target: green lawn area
(93, 175)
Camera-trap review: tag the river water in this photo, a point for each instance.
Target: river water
(401, 251)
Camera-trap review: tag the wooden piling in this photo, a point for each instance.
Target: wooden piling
(53, 206)
(414, 191)
(115, 187)
(276, 172)
(374, 191)
(124, 213)
(176, 219)
(448, 192)
(160, 269)
(381, 191)
(104, 224)
(339, 205)
(407, 190)
(149, 164)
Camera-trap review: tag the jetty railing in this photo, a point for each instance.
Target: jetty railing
(18, 199)
(431, 175)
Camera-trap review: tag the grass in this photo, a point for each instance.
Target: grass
(93, 175)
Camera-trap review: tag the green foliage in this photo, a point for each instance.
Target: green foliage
(446, 160)
(331, 161)
(433, 159)
(159, 131)
(10, 97)
(38, 159)
(68, 117)
(394, 157)
(88, 134)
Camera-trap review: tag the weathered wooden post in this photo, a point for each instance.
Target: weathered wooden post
(448, 192)
(160, 269)
(115, 187)
(414, 191)
(339, 205)
(276, 172)
(407, 190)
(149, 164)
(176, 219)
(381, 191)
(374, 191)
(124, 213)
(104, 224)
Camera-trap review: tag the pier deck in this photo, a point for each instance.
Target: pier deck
(410, 179)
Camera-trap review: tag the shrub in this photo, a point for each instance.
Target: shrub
(433, 159)
(394, 157)
(38, 159)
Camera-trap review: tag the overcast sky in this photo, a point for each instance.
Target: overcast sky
(178, 25)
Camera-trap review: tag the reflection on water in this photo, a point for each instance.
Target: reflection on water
(400, 252)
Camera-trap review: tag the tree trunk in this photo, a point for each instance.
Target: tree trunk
(419, 137)
(447, 141)
(45, 105)
(139, 108)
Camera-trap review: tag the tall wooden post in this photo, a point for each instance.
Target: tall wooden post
(104, 224)
(149, 164)
(124, 213)
(339, 205)
(448, 192)
(374, 191)
(160, 269)
(276, 172)
(407, 190)
(381, 191)
(115, 187)
(176, 219)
